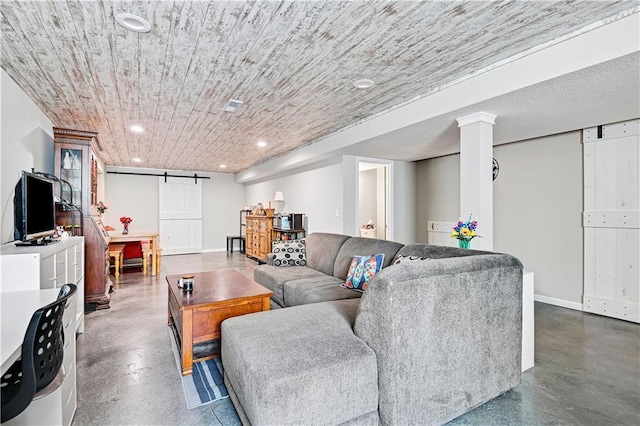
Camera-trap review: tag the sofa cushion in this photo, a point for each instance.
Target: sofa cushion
(300, 365)
(362, 271)
(322, 250)
(406, 258)
(312, 290)
(357, 246)
(274, 277)
(289, 253)
(436, 252)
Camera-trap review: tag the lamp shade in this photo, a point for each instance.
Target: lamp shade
(279, 196)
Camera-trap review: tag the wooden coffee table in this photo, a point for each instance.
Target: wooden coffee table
(196, 317)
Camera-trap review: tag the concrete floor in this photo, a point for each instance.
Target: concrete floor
(587, 367)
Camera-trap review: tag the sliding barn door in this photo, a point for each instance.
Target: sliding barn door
(611, 220)
(180, 203)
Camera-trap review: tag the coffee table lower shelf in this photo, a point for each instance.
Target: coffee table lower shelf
(195, 319)
(201, 351)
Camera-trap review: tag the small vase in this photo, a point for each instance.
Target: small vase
(464, 244)
(125, 231)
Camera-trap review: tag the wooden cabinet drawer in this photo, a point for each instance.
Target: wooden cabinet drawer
(206, 322)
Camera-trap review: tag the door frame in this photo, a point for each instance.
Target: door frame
(389, 234)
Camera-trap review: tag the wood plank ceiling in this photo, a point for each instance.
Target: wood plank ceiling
(292, 64)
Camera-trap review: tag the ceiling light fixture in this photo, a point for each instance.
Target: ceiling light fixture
(261, 144)
(232, 105)
(137, 129)
(133, 22)
(137, 160)
(223, 166)
(363, 83)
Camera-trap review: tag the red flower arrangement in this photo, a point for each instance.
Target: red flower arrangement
(126, 220)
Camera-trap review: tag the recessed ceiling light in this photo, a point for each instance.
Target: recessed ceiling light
(223, 166)
(363, 83)
(137, 160)
(133, 22)
(262, 144)
(136, 129)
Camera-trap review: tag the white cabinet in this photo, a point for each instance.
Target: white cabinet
(58, 407)
(45, 267)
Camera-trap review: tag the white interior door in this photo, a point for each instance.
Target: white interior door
(180, 215)
(611, 220)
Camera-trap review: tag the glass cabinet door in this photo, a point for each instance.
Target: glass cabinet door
(71, 172)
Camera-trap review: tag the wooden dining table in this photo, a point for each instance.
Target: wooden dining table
(133, 236)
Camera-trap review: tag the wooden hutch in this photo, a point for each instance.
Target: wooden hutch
(76, 165)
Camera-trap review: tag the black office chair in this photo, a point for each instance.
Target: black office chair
(32, 376)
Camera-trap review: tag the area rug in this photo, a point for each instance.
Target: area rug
(206, 384)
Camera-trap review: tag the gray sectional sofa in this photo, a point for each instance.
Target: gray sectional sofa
(426, 342)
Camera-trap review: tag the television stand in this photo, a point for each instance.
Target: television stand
(33, 243)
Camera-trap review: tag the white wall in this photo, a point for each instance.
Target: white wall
(137, 197)
(403, 200)
(26, 141)
(133, 196)
(437, 192)
(317, 193)
(538, 211)
(537, 207)
(368, 197)
(327, 189)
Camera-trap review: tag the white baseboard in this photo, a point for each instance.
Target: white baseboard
(217, 250)
(558, 302)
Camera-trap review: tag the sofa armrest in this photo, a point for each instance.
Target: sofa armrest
(447, 335)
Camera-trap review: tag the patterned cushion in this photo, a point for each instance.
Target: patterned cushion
(289, 253)
(405, 259)
(362, 270)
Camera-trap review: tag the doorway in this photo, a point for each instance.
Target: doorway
(373, 200)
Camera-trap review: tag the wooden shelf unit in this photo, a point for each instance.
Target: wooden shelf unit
(278, 234)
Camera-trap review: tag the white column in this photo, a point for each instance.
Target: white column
(476, 174)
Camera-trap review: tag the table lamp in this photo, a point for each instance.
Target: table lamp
(278, 200)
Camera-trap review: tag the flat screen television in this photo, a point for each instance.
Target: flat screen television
(34, 209)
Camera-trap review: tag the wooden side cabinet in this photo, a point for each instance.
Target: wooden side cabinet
(259, 236)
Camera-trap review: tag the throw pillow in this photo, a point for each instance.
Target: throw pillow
(289, 253)
(405, 259)
(362, 271)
